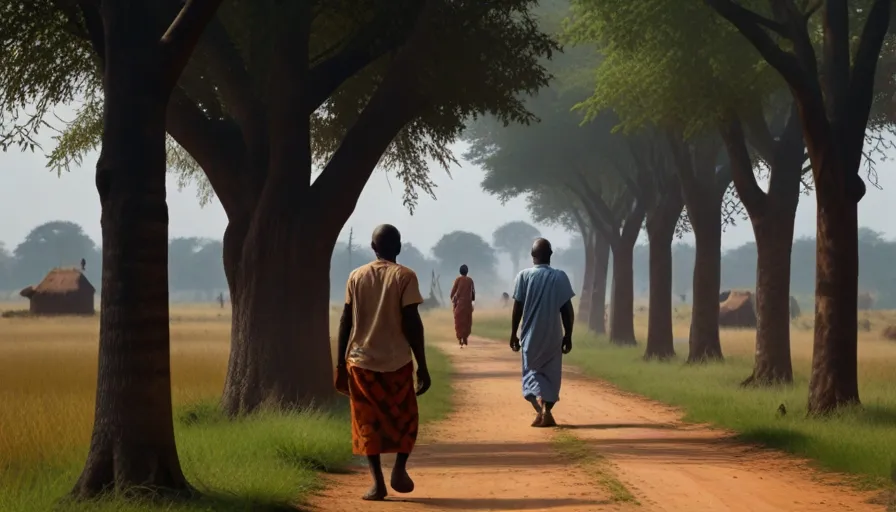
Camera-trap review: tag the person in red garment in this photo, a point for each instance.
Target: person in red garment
(380, 336)
(463, 294)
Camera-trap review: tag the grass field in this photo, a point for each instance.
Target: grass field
(47, 385)
(861, 442)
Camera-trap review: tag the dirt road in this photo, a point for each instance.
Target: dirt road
(612, 452)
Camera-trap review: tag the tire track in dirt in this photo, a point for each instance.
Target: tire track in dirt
(485, 456)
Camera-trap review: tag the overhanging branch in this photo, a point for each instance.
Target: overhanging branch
(183, 34)
(746, 22)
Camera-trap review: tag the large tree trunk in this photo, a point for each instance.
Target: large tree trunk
(704, 343)
(280, 340)
(132, 448)
(834, 380)
(597, 321)
(622, 307)
(774, 239)
(622, 322)
(660, 232)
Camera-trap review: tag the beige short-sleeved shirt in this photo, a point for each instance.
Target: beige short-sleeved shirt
(377, 292)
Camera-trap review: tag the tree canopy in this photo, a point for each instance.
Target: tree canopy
(47, 61)
(464, 248)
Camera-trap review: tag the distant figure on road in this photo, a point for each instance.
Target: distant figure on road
(463, 294)
(380, 335)
(505, 299)
(542, 302)
(221, 299)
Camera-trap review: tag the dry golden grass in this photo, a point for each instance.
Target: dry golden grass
(48, 369)
(48, 377)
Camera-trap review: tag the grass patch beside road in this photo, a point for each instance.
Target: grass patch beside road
(267, 462)
(861, 442)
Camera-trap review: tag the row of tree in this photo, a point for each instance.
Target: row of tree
(692, 104)
(258, 95)
(738, 268)
(196, 272)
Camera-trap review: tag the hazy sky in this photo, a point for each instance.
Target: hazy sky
(30, 195)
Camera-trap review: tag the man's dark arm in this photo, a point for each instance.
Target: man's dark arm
(473, 289)
(412, 326)
(345, 332)
(516, 317)
(568, 316)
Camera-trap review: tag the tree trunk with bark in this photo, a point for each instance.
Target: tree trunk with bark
(703, 341)
(584, 314)
(834, 380)
(835, 100)
(132, 447)
(622, 312)
(622, 307)
(703, 187)
(661, 224)
(772, 215)
(280, 343)
(597, 321)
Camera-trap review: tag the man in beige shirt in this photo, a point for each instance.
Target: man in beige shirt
(380, 335)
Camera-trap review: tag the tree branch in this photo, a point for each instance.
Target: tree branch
(835, 78)
(368, 45)
(751, 194)
(608, 230)
(760, 136)
(631, 226)
(861, 86)
(183, 34)
(232, 81)
(745, 22)
(396, 102)
(216, 147)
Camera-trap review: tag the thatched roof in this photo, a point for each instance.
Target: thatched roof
(63, 280)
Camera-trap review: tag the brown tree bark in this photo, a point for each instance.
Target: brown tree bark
(132, 447)
(772, 215)
(622, 308)
(703, 187)
(661, 223)
(834, 107)
(584, 315)
(597, 321)
(278, 262)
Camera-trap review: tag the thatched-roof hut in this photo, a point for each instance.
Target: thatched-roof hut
(737, 310)
(64, 291)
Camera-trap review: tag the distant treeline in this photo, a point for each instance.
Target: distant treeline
(876, 276)
(196, 272)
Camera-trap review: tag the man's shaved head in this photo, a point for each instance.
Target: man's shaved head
(386, 241)
(541, 251)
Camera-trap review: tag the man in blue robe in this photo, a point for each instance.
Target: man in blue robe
(543, 317)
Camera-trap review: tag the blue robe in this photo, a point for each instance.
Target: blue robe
(543, 291)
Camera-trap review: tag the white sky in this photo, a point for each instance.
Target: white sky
(30, 194)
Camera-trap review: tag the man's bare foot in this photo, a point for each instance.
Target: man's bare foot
(539, 419)
(376, 493)
(402, 482)
(547, 420)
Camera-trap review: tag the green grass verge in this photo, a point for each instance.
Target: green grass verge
(263, 463)
(595, 465)
(861, 442)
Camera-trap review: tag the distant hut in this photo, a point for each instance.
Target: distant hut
(64, 291)
(737, 310)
